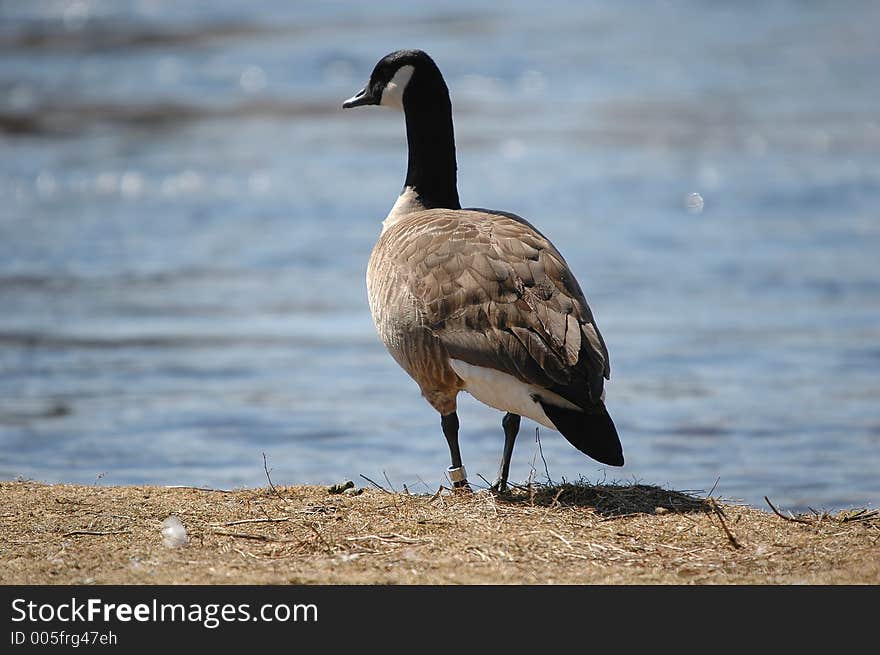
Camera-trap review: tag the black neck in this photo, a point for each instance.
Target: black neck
(431, 168)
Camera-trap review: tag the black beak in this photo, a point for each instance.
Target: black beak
(361, 98)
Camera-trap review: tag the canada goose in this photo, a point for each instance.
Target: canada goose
(478, 300)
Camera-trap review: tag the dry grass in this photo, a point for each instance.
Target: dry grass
(563, 534)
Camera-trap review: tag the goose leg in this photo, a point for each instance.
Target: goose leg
(456, 472)
(510, 423)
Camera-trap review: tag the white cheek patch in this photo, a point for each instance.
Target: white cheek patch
(392, 94)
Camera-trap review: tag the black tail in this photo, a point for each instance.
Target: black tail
(592, 434)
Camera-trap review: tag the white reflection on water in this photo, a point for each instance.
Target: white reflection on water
(694, 203)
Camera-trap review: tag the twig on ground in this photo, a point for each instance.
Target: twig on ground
(488, 484)
(280, 519)
(245, 535)
(783, 516)
(321, 537)
(532, 491)
(375, 484)
(861, 515)
(720, 514)
(560, 537)
(439, 492)
(185, 486)
(245, 554)
(541, 450)
(509, 483)
(269, 478)
(717, 480)
(391, 537)
(389, 482)
(96, 533)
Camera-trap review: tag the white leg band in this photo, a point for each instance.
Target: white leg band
(457, 474)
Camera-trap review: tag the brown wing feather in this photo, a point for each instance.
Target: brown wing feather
(497, 293)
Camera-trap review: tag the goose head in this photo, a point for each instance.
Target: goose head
(402, 79)
(410, 81)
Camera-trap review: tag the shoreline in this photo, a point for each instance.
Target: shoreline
(561, 534)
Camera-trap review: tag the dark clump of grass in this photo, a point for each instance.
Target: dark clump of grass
(610, 499)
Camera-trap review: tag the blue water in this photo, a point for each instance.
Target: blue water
(186, 215)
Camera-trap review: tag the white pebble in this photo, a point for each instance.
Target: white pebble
(173, 533)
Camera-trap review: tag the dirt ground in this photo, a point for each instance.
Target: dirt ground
(563, 534)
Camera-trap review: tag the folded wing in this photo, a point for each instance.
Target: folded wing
(498, 294)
